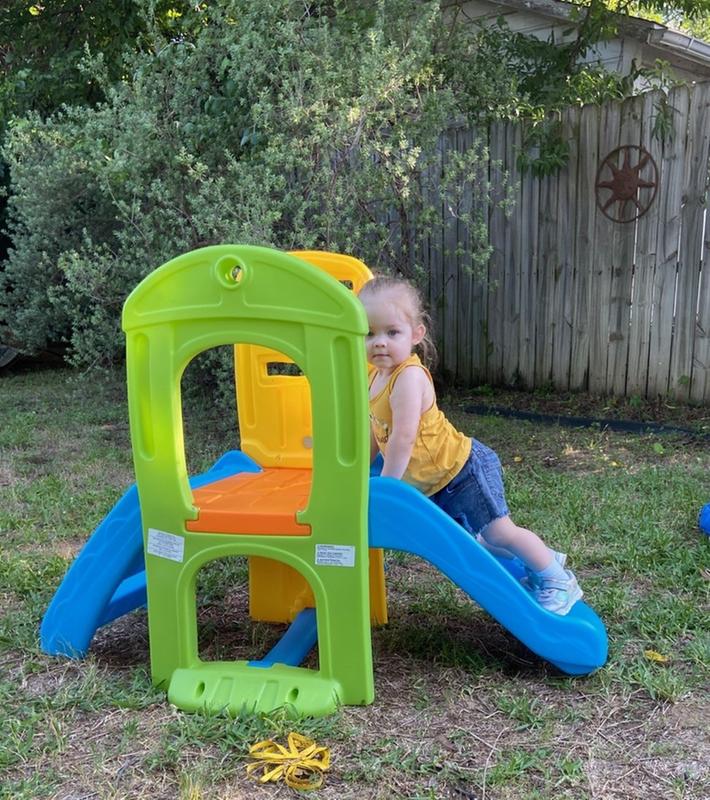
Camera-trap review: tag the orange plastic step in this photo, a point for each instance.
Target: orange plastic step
(263, 502)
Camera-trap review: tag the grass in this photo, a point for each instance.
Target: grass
(462, 709)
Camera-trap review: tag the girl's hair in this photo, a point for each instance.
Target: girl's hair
(408, 300)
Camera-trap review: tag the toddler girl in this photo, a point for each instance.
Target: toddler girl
(420, 446)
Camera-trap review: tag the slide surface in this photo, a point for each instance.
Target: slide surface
(107, 578)
(401, 518)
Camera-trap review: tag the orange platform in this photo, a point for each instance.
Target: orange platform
(263, 502)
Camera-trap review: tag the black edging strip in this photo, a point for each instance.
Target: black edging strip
(584, 422)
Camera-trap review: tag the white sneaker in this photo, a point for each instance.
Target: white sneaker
(558, 594)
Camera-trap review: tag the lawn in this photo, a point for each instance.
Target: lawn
(461, 710)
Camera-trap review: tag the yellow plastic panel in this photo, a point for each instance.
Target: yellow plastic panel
(273, 398)
(275, 427)
(277, 592)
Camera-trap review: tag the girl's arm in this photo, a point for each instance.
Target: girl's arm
(407, 404)
(374, 448)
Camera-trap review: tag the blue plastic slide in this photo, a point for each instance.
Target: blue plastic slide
(704, 519)
(401, 518)
(107, 578)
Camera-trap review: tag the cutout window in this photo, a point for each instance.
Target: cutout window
(282, 368)
(225, 630)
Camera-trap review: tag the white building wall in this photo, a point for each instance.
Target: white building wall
(616, 55)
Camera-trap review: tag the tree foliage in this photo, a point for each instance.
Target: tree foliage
(691, 9)
(139, 129)
(43, 45)
(279, 124)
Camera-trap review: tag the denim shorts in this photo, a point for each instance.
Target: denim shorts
(475, 497)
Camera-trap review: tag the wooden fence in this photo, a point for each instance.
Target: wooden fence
(574, 299)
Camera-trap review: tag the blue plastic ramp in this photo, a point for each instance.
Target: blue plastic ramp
(107, 578)
(298, 641)
(401, 518)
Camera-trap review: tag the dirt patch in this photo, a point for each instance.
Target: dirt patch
(104, 755)
(123, 642)
(502, 730)
(8, 476)
(59, 675)
(66, 549)
(646, 750)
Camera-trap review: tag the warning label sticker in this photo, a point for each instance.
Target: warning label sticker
(166, 545)
(335, 555)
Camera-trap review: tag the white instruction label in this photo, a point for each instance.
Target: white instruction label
(335, 555)
(166, 545)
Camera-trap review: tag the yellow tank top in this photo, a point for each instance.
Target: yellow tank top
(439, 450)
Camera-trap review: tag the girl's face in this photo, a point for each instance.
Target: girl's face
(391, 336)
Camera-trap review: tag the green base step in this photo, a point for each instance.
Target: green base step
(237, 688)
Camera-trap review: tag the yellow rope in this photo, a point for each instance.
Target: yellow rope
(301, 765)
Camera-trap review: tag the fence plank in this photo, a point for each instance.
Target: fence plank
(546, 272)
(644, 266)
(479, 289)
(585, 226)
(700, 381)
(511, 266)
(424, 239)
(566, 250)
(496, 265)
(695, 176)
(436, 250)
(622, 266)
(667, 250)
(603, 262)
(466, 342)
(525, 216)
(450, 270)
(463, 294)
(527, 222)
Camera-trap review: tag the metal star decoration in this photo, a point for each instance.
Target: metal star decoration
(633, 184)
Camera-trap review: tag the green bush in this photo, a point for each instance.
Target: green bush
(281, 124)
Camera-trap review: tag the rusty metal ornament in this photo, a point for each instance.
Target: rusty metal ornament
(626, 184)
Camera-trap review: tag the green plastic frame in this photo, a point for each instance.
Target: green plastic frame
(220, 296)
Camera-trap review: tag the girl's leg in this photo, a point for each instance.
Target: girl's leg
(500, 552)
(555, 588)
(504, 534)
